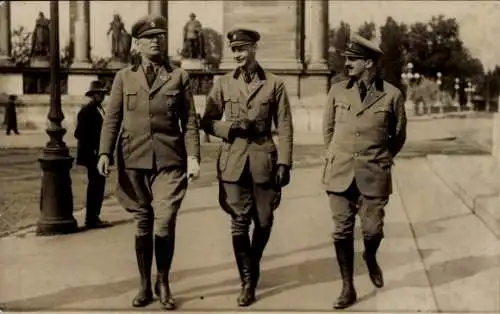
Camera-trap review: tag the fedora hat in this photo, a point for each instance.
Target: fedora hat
(96, 87)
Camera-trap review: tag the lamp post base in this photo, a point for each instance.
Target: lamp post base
(56, 196)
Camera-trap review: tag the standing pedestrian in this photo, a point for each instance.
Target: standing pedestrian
(364, 128)
(151, 118)
(240, 109)
(10, 118)
(88, 133)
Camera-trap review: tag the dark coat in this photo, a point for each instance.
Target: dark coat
(88, 133)
(362, 138)
(10, 118)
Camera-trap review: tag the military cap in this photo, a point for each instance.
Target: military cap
(242, 36)
(361, 47)
(149, 25)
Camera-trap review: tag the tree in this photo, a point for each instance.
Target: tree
(392, 43)
(338, 44)
(367, 30)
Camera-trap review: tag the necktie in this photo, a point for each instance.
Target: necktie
(150, 74)
(362, 90)
(247, 77)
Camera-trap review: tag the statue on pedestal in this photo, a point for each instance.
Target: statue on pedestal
(121, 40)
(40, 44)
(193, 39)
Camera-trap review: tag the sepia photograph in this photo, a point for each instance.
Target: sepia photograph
(268, 156)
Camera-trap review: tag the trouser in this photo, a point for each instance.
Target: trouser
(246, 200)
(96, 186)
(153, 197)
(12, 127)
(346, 205)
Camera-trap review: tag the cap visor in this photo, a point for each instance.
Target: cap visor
(153, 31)
(240, 43)
(350, 54)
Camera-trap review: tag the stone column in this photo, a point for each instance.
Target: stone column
(5, 44)
(82, 36)
(159, 7)
(317, 33)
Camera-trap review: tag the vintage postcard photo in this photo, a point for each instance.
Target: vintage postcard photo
(266, 156)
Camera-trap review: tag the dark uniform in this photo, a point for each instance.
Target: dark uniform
(87, 133)
(10, 118)
(241, 109)
(152, 118)
(363, 131)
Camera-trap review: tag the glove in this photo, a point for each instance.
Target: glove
(241, 129)
(193, 168)
(282, 176)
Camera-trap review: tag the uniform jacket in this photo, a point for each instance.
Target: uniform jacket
(87, 133)
(264, 101)
(157, 122)
(10, 117)
(362, 138)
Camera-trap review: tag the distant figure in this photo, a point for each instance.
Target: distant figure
(193, 38)
(88, 132)
(120, 40)
(41, 37)
(10, 119)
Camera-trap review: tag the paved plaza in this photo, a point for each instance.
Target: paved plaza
(438, 256)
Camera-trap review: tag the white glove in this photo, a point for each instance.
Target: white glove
(193, 168)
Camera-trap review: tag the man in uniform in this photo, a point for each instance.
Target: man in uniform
(364, 128)
(88, 135)
(151, 118)
(240, 109)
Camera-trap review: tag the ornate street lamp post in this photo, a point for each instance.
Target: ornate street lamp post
(56, 197)
(457, 99)
(439, 103)
(470, 89)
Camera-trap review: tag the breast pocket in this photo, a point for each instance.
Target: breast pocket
(342, 111)
(232, 107)
(131, 99)
(264, 109)
(381, 117)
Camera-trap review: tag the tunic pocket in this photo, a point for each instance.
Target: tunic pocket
(341, 111)
(131, 100)
(232, 107)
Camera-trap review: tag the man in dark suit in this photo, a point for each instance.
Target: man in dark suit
(87, 133)
(151, 117)
(10, 119)
(364, 128)
(241, 109)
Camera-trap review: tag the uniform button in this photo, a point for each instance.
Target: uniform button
(356, 154)
(357, 134)
(150, 97)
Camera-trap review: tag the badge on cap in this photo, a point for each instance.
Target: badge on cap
(235, 37)
(349, 45)
(152, 24)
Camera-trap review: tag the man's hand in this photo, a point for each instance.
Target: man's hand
(193, 168)
(282, 176)
(103, 165)
(241, 129)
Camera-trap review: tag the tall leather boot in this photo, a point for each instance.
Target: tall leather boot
(164, 252)
(345, 257)
(144, 254)
(260, 238)
(242, 253)
(374, 270)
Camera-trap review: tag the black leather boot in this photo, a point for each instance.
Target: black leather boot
(242, 253)
(144, 254)
(374, 270)
(345, 256)
(260, 238)
(164, 252)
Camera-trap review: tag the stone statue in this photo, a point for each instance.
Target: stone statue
(193, 39)
(120, 40)
(40, 44)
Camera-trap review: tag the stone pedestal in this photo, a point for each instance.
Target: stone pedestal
(278, 24)
(11, 83)
(78, 84)
(192, 64)
(116, 64)
(40, 62)
(312, 85)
